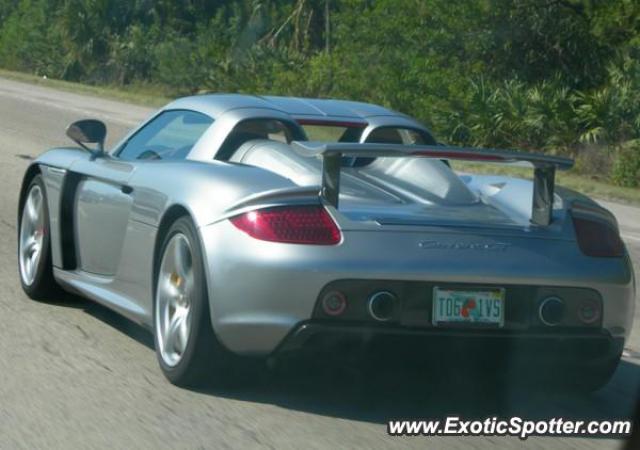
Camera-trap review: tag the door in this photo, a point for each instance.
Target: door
(104, 200)
(101, 210)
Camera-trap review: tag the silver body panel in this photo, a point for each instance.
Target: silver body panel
(291, 278)
(401, 219)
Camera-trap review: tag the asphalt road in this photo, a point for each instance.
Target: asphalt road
(73, 374)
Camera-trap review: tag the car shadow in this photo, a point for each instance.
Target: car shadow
(407, 393)
(377, 393)
(135, 331)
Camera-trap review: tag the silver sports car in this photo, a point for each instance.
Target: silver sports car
(237, 225)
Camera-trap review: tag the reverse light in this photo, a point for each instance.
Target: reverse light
(597, 238)
(310, 225)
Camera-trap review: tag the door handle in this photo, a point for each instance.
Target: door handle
(126, 189)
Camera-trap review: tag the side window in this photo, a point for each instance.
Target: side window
(171, 135)
(410, 136)
(394, 135)
(388, 135)
(252, 129)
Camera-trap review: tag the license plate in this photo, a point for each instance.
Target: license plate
(468, 306)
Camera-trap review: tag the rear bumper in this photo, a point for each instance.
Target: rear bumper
(524, 348)
(261, 292)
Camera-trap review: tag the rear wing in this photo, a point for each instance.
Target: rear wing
(543, 175)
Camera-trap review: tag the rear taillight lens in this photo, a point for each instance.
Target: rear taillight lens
(597, 238)
(290, 224)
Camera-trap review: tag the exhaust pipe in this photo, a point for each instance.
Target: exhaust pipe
(551, 311)
(382, 305)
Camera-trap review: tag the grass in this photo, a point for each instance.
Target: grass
(155, 96)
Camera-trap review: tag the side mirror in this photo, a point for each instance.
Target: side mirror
(89, 131)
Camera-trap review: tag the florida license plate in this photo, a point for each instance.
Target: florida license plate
(473, 307)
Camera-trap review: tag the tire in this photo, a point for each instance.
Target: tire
(34, 244)
(187, 349)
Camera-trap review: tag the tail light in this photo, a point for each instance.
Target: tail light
(290, 224)
(596, 233)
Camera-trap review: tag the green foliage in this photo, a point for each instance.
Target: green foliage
(626, 169)
(29, 40)
(611, 113)
(560, 76)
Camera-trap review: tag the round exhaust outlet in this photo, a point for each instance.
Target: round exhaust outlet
(551, 311)
(382, 305)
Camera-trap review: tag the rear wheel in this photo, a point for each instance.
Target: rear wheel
(186, 346)
(34, 247)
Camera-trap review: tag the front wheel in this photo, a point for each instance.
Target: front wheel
(186, 346)
(34, 247)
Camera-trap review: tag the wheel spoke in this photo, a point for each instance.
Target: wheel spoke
(27, 266)
(183, 332)
(169, 340)
(189, 283)
(29, 245)
(173, 341)
(31, 209)
(182, 258)
(37, 206)
(30, 263)
(170, 291)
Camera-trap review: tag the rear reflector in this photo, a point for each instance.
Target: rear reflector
(596, 238)
(334, 303)
(290, 224)
(589, 311)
